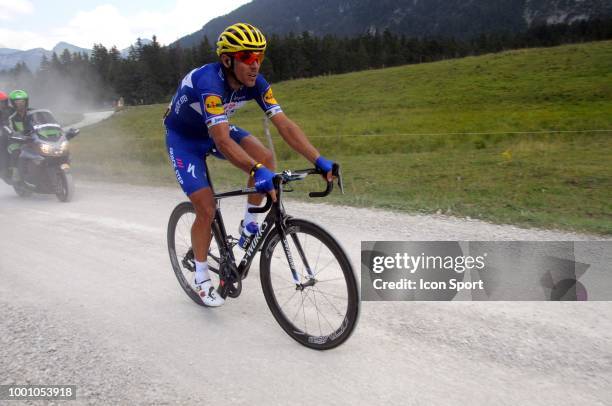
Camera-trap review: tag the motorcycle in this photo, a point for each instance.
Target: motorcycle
(44, 160)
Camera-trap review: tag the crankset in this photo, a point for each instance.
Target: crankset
(231, 283)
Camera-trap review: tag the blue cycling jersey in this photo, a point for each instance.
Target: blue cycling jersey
(204, 99)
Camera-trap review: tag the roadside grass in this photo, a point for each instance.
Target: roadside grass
(399, 135)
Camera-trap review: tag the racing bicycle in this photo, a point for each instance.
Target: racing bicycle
(306, 277)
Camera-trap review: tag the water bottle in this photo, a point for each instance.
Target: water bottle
(247, 235)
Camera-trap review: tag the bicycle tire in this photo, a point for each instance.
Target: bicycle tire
(272, 251)
(183, 274)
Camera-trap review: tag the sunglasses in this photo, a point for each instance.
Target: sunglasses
(249, 57)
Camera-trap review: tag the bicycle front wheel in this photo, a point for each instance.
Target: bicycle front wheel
(318, 305)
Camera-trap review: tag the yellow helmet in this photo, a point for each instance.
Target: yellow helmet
(240, 37)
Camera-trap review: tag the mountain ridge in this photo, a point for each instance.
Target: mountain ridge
(452, 18)
(32, 57)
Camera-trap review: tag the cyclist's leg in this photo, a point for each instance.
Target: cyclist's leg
(187, 158)
(258, 152)
(204, 205)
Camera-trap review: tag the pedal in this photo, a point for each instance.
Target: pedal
(189, 261)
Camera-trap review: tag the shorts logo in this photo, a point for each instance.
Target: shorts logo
(175, 164)
(191, 170)
(179, 163)
(213, 105)
(269, 97)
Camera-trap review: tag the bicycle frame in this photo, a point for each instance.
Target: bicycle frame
(276, 217)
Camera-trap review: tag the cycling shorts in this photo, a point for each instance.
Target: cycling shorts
(188, 157)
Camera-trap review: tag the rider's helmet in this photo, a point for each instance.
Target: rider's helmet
(18, 95)
(3, 100)
(240, 37)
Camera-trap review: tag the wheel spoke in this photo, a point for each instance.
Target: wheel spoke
(298, 309)
(341, 278)
(304, 311)
(325, 267)
(288, 300)
(329, 294)
(328, 301)
(319, 255)
(314, 298)
(321, 313)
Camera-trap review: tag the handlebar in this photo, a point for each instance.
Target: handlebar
(330, 184)
(263, 208)
(290, 176)
(19, 136)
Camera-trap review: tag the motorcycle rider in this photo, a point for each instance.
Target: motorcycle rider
(5, 110)
(19, 122)
(4, 122)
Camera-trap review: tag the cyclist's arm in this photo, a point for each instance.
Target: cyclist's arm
(295, 137)
(228, 147)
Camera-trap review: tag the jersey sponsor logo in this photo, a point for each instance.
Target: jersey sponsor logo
(216, 120)
(213, 105)
(179, 104)
(231, 107)
(269, 97)
(273, 111)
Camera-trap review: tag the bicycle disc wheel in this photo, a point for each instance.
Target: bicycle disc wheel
(322, 311)
(181, 253)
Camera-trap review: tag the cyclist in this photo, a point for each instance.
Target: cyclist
(197, 123)
(18, 122)
(4, 122)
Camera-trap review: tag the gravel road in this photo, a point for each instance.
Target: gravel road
(88, 298)
(92, 118)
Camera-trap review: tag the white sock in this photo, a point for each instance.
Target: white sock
(201, 273)
(249, 217)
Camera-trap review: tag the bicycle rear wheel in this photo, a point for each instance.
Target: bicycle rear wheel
(320, 309)
(181, 253)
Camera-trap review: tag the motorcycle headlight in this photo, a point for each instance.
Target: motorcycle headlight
(53, 149)
(46, 148)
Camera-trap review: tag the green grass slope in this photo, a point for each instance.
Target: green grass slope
(497, 137)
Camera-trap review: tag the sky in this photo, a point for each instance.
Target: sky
(27, 24)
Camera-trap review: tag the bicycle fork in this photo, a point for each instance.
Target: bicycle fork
(296, 278)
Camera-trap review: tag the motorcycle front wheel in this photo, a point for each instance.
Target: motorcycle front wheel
(65, 187)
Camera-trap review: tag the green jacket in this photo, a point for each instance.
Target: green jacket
(20, 124)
